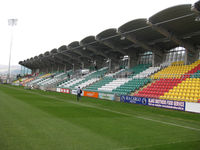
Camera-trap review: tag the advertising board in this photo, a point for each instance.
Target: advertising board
(192, 107)
(62, 90)
(107, 96)
(91, 94)
(74, 92)
(170, 104)
(58, 89)
(134, 100)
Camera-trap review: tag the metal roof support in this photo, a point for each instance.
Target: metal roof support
(98, 52)
(82, 54)
(56, 61)
(94, 50)
(112, 46)
(64, 60)
(144, 45)
(35, 65)
(51, 68)
(70, 56)
(198, 57)
(65, 68)
(82, 65)
(172, 37)
(48, 62)
(40, 64)
(132, 61)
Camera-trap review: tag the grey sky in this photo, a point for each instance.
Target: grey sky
(47, 24)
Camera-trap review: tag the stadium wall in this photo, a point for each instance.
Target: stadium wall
(168, 104)
(192, 107)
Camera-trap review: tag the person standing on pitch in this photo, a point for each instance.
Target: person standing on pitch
(79, 91)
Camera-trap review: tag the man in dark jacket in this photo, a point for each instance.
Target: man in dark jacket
(79, 91)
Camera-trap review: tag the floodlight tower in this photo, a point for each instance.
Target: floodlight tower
(12, 23)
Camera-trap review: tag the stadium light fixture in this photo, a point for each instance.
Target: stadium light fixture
(197, 19)
(12, 23)
(196, 8)
(122, 38)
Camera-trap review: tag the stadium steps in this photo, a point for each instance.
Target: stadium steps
(158, 88)
(130, 86)
(74, 83)
(141, 88)
(94, 87)
(188, 90)
(145, 73)
(90, 78)
(176, 70)
(164, 85)
(109, 87)
(138, 69)
(56, 78)
(122, 85)
(115, 73)
(39, 78)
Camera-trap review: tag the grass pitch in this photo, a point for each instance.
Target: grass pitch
(37, 120)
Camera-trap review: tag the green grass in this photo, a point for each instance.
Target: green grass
(37, 120)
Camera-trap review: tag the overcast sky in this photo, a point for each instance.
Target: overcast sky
(47, 24)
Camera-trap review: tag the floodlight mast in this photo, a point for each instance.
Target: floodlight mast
(12, 23)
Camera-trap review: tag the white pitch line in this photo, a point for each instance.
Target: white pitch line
(168, 123)
(148, 146)
(117, 112)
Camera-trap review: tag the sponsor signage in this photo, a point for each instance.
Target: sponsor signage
(91, 94)
(134, 100)
(192, 107)
(65, 90)
(170, 104)
(58, 89)
(106, 96)
(75, 92)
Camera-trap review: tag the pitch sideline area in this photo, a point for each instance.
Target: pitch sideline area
(32, 119)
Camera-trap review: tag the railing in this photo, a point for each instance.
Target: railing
(186, 100)
(179, 76)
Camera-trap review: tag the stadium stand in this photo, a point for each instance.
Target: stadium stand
(147, 72)
(113, 85)
(85, 80)
(187, 90)
(115, 73)
(173, 84)
(131, 86)
(54, 78)
(175, 70)
(119, 82)
(39, 78)
(158, 61)
(138, 69)
(158, 88)
(94, 87)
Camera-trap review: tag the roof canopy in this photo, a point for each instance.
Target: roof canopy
(164, 30)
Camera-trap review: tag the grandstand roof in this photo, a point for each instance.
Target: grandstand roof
(184, 24)
(164, 30)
